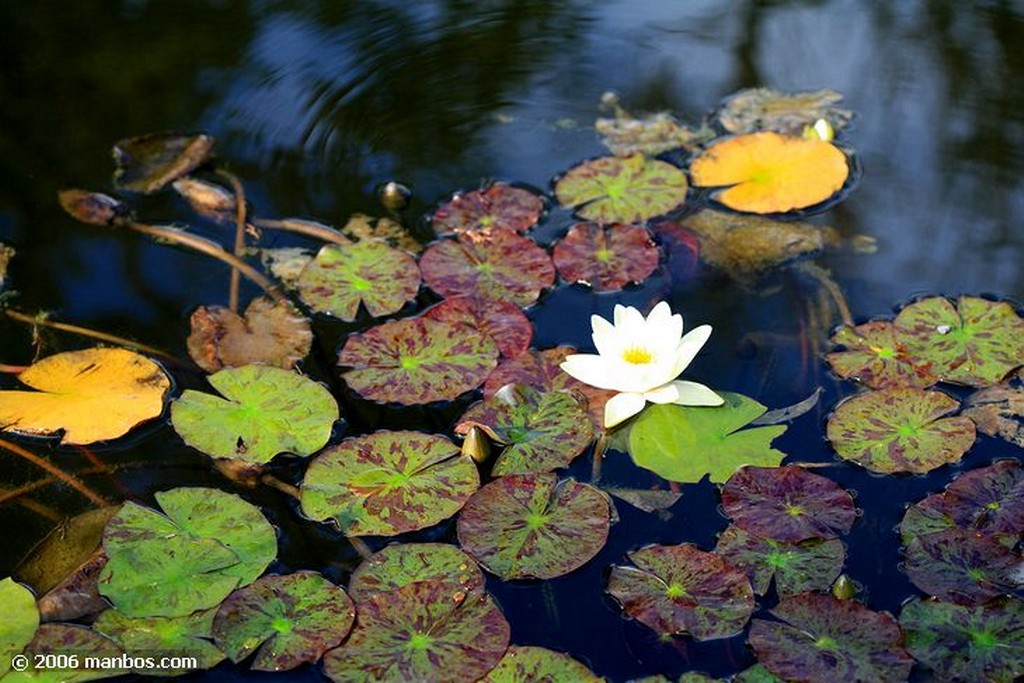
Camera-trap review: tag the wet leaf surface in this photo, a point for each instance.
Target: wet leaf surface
(362, 227)
(961, 566)
(755, 109)
(21, 619)
(77, 595)
(209, 200)
(982, 643)
(428, 630)
(540, 431)
(387, 483)
(787, 503)
(533, 526)
(64, 639)
(339, 279)
(622, 189)
(796, 567)
(416, 361)
(503, 322)
(681, 589)
(287, 620)
(876, 354)
(683, 443)
(399, 565)
(497, 207)
(271, 333)
(606, 257)
(493, 265)
(185, 636)
(654, 134)
(149, 162)
(264, 411)
(820, 638)
(998, 411)
(526, 664)
(90, 395)
(900, 430)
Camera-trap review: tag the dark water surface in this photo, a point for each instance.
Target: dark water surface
(314, 104)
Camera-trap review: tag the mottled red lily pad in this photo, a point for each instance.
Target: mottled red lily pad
(787, 503)
(962, 567)
(500, 206)
(502, 321)
(404, 563)
(387, 483)
(820, 638)
(796, 567)
(606, 257)
(417, 361)
(494, 265)
(622, 189)
(682, 589)
(59, 641)
(998, 411)
(526, 664)
(900, 430)
(875, 353)
(148, 162)
(525, 526)
(540, 431)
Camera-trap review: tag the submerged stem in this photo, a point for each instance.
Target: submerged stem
(41, 321)
(55, 471)
(239, 250)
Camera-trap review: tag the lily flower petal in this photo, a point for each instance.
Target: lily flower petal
(622, 407)
(590, 369)
(668, 393)
(604, 336)
(696, 394)
(689, 346)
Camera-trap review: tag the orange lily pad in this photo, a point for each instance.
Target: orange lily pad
(771, 173)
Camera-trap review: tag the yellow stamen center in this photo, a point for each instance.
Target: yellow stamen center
(637, 355)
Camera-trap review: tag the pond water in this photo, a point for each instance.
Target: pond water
(315, 104)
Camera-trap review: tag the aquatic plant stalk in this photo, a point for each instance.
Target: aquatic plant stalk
(41, 321)
(240, 223)
(306, 228)
(55, 471)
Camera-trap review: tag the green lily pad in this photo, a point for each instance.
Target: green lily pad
(21, 619)
(497, 207)
(149, 162)
(387, 483)
(606, 257)
(756, 674)
(982, 643)
(875, 353)
(265, 411)
(416, 361)
(403, 563)
(185, 636)
(370, 272)
(533, 526)
(291, 619)
(900, 430)
(208, 543)
(683, 443)
(977, 342)
(682, 589)
(820, 638)
(622, 189)
(526, 664)
(494, 265)
(812, 564)
(425, 631)
(540, 431)
(787, 503)
(503, 322)
(962, 567)
(74, 644)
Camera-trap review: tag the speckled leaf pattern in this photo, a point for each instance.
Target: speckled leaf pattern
(533, 526)
(976, 342)
(527, 664)
(494, 265)
(431, 630)
(339, 278)
(962, 567)
(796, 567)
(21, 619)
(540, 431)
(900, 430)
(822, 639)
(622, 189)
(503, 322)
(998, 411)
(185, 636)
(926, 516)
(787, 503)
(404, 563)
(265, 411)
(606, 257)
(271, 333)
(416, 361)
(65, 639)
(291, 619)
(982, 643)
(876, 354)
(387, 483)
(682, 589)
(498, 207)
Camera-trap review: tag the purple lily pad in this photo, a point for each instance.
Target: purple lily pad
(502, 321)
(809, 565)
(820, 638)
(498, 207)
(900, 430)
(875, 353)
(387, 483)
(149, 162)
(682, 589)
(526, 664)
(425, 631)
(787, 503)
(370, 272)
(540, 431)
(606, 257)
(494, 265)
(403, 563)
(291, 619)
(962, 567)
(622, 189)
(416, 361)
(525, 526)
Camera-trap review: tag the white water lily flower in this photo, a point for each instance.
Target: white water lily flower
(641, 358)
